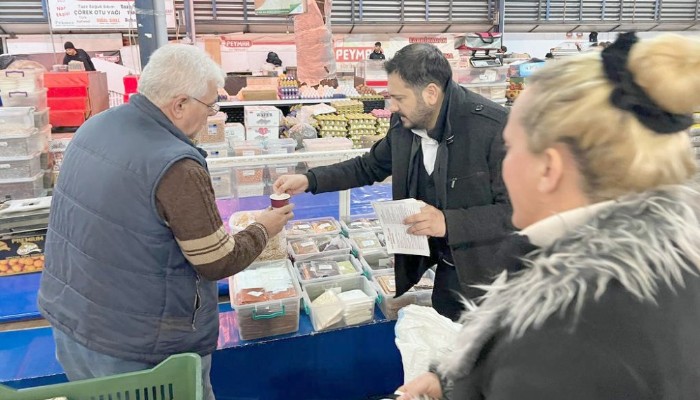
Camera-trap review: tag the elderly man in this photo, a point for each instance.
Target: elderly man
(135, 243)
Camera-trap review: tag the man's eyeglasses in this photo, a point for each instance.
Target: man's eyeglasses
(213, 108)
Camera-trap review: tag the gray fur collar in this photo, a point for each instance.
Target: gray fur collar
(642, 241)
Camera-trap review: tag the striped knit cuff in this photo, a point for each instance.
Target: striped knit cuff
(263, 229)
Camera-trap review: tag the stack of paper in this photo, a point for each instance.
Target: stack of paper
(391, 214)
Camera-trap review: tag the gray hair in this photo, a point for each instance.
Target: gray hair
(179, 69)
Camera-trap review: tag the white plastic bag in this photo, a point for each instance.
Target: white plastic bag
(423, 336)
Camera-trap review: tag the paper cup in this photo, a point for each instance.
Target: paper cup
(279, 200)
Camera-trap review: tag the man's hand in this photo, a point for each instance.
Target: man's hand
(291, 184)
(428, 222)
(275, 219)
(427, 384)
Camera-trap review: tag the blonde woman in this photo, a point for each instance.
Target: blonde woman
(608, 304)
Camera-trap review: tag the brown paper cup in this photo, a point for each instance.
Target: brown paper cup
(279, 200)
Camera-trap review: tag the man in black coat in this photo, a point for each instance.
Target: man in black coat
(73, 54)
(377, 53)
(445, 148)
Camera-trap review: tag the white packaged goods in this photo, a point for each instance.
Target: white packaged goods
(262, 132)
(262, 116)
(216, 150)
(339, 303)
(234, 132)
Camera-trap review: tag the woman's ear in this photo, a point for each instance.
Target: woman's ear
(552, 170)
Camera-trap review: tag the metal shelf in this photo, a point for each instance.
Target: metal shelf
(237, 104)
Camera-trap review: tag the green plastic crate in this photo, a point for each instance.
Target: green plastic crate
(177, 378)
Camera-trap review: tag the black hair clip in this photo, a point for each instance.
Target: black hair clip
(629, 96)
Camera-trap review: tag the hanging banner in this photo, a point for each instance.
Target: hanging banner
(99, 14)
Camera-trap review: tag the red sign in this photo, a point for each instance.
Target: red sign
(352, 54)
(236, 43)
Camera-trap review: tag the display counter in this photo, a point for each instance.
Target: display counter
(348, 363)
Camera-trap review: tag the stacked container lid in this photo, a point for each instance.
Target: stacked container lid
(695, 138)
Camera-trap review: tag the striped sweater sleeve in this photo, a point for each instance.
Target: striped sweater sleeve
(185, 200)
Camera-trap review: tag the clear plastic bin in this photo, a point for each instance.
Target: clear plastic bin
(22, 188)
(252, 175)
(477, 76)
(391, 305)
(250, 190)
(312, 227)
(247, 148)
(222, 182)
(377, 262)
(277, 315)
(281, 146)
(41, 118)
(20, 144)
(216, 151)
(28, 80)
(20, 167)
(16, 120)
(340, 314)
(327, 268)
(367, 242)
(313, 248)
(360, 223)
(20, 98)
(275, 171)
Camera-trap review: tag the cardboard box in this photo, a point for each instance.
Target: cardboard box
(254, 94)
(22, 254)
(268, 116)
(268, 81)
(262, 132)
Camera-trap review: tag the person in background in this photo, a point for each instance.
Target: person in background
(272, 63)
(73, 54)
(605, 305)
(132, 264)
(377, 53)
(444, 147)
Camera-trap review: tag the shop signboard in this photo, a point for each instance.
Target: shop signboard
(280, 7)
(99, 14)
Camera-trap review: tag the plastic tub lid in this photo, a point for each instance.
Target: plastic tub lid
(40, 175)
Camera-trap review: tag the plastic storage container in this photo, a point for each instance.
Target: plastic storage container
(313, 248)
(247, 148)
(360, 223)
(216, 150)
(252, 175)
(20, 167)
(275, 171)
(478, 76)
(179, 376)
(215, 130)
(22, 188)
(20, 144)
(16, 120)
(28, 80)
(312, 227)
(19, 98)
(266, 297)
(377, 262)
(222, 182)
(280, 146)
(420, 294)
(336, 312)
(327, 268)
(367, 242)
(250, 190)
(41, 118)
